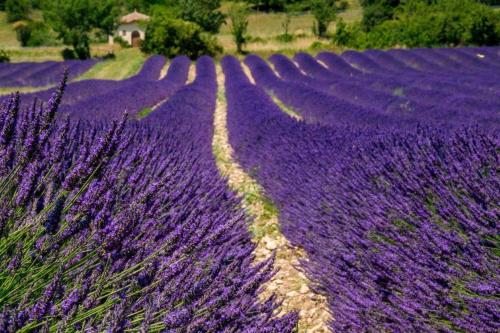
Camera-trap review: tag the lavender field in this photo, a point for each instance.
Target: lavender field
(382, 168)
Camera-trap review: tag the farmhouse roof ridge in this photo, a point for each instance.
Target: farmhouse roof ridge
(134, 17)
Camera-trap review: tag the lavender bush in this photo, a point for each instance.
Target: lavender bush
(41, 74)
(120, 225)
(398, 218)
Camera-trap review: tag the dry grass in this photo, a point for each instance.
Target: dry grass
(264, 28)
(7, 90)
(7, 34)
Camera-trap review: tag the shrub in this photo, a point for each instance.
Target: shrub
(171, 37)
(4, 56)
(23, 32)
(122, 42)
(342, 33)
(286, 37)
(68, 54)
(32, 33)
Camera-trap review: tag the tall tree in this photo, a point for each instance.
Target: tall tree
(17, 10)
(238, 14)
(324, 12)
(171, 36)
(377, 11)
(75, 20)
(204, 13)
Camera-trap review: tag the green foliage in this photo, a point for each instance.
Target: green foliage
(449, 22)
(171, 36)
(122, 42)
(141, 5)
(35, 33)
(75, 20)
(377, 11)
(422, 24)
(324, 12)
(17, 10)
(68, 54)
(342, 34)
(202, 12)
(4, 56)
(238, 14)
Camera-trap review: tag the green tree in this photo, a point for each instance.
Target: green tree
(75, 20)
(324, 12)
(448, 23)
(238, 14)
(377, 11)
(418, 23)
(171, 36)
(205, 13)
(17, 10)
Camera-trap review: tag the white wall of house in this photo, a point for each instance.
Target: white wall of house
(125, 31)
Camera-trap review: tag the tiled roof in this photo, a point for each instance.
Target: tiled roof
(134, 17)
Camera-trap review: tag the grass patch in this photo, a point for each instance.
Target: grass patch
(126, 63)
(8, 90)
(289, 111)
(398, 92)
(144, 113)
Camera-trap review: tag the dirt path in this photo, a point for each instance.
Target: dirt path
(289, 284)
(191, 73)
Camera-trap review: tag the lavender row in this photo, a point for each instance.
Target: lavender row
(445, 84)
(433, 78)
(452, 91)
(85, 89)
(133, 96)
(408, 103)
(42, 74)
(313, 105)
(399, 225)
(115, 226)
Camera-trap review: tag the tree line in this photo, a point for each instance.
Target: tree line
(422, 23)
(189, 26)
(176, 26)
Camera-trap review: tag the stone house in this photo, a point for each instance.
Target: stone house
(131, 29)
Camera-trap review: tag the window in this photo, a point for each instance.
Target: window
(124, 32)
